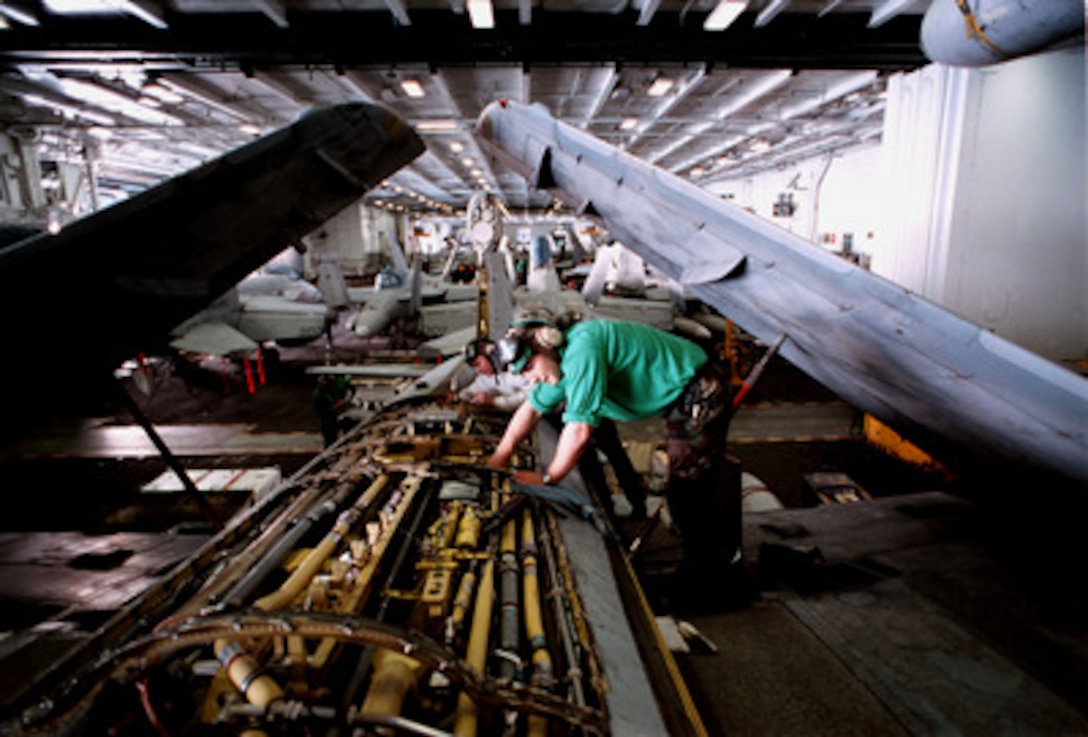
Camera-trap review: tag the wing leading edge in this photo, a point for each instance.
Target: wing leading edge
(935, 377)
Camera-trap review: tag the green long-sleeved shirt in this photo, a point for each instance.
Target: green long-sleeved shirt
(620, 370)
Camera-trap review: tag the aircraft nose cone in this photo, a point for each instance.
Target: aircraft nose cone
(486, 122)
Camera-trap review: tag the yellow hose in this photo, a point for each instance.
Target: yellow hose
(476, 655)
(534, 622)
(468, 531)
(300, 579)
(394, 675)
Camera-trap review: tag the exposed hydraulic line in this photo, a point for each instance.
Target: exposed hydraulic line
(476, 658)
(543, 674)
(509, 628)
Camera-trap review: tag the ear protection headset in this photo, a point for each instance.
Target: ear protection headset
(481, 347)
(537, 325)
(548, 336)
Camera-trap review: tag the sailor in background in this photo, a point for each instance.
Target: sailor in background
(490, 387)
(331, 397)
(627, 371)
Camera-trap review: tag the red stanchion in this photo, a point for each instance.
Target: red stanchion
(260, 366)
(249, 376)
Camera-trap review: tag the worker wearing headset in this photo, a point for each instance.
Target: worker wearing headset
(629, 371)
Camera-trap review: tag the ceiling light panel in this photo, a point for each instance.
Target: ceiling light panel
(80, 7)
(660, 87)
(481, 14)
(724, 14)
(412, 88)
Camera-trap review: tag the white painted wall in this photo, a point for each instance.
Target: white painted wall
(356, 238)
(1018, 261)
(986, 174)
(835, 195)
(975, 199)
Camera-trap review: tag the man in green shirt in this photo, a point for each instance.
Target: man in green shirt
(624, 371)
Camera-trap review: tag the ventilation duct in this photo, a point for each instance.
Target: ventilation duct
(974, 33)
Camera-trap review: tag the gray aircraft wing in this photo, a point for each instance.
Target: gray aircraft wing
(115, 283)
(952, 387)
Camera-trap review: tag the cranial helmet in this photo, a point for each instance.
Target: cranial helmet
(481, 347)
(511, 353)
(539, 324)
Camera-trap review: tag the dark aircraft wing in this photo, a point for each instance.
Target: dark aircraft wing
(78, 303)
(952, 387)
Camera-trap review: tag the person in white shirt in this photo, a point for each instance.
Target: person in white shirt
(500, 389)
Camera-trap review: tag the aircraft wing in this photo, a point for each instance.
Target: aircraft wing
(950, 386)
(214, 339)
(136, 269)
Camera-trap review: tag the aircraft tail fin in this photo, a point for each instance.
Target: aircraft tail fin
(396, 252)
(332, 284)
(416, 286)
(594, 284)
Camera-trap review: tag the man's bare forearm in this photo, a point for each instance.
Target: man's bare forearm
(521, 424)
(572, 443)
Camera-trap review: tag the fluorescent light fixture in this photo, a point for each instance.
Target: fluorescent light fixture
(204, 96)
(659, 87)
(722, 16)
(457, 147)
(436, 126)
(18, 15)
(480, 13)
(69, 110)
(144, 12)
(412, 87)
(628, 123)
(249, 129)
(768, 83)
(114, 102)
(162, 94)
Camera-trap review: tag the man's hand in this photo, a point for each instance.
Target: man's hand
(499, 460)
(534, 478)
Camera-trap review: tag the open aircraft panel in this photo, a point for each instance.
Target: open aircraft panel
(393, 585)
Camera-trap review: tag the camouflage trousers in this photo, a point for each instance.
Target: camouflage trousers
(704, 482)
(697, 423)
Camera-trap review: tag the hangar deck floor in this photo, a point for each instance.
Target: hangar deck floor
(918, 612)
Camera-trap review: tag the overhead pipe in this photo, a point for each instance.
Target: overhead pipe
(974, 33)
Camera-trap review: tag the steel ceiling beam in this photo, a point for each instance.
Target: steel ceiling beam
(437, 37)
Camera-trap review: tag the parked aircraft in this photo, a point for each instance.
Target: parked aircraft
(955, 389)
(264, 307)
(403, 291)
(116, 282)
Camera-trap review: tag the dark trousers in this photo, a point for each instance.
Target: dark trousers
(704, 482)
(607, 439)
